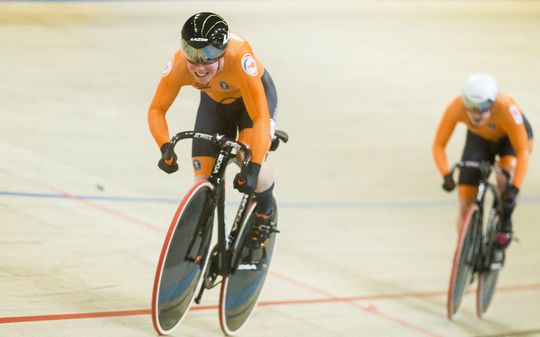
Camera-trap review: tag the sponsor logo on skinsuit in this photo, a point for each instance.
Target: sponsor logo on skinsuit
(197, 165)
(516, 114)
(224, 85)
(249, 65)
(168, 67)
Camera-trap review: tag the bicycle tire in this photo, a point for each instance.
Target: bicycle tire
(177, 278)
(240, 289)
(487, 280)
(463, 264)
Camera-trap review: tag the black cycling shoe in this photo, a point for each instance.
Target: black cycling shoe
(260, 231)
(503, 239)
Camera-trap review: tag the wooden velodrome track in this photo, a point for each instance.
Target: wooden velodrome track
(367, 232)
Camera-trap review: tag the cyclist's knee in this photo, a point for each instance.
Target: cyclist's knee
(508, 163)
(200, 177)
(266, 178)
(467, 197)
(467, 193)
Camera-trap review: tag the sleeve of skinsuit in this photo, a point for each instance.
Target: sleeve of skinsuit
(515, 129)
(253, 94)
(166, 92)
(444, 131)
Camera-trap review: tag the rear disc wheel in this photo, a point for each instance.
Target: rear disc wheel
(240, 289)
(487, 280)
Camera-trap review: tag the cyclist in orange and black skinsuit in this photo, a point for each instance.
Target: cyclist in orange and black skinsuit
(496, 127)
(237, 95)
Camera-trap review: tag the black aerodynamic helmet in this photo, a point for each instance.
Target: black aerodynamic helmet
(204, 37)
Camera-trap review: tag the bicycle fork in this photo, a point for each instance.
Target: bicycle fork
(215, 263)
(202, 232)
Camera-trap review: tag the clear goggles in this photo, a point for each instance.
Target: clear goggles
(481, 107)
(206, 55)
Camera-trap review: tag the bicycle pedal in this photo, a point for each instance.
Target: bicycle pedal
(211, 282)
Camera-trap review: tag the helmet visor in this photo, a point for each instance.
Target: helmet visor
(480, 107)
(206, 55)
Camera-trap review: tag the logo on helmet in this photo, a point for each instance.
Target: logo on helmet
(198, 39)
(249, 65)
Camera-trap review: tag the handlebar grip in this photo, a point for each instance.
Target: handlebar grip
(167, 155)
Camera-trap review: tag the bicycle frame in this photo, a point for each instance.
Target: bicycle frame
(473, 255)
(484, 187)
(225, 155)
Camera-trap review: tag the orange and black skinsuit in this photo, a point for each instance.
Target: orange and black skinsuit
(506, 134)
(240, 97)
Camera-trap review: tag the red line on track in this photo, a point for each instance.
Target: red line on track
(57, 317)
(370, 309)
(351, 300)
(107, 210)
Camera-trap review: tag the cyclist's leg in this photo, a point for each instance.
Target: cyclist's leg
(265, 183)
(508, 161)
(467, 197)
(264, 211)
(212, 117)
(504, 234)
(261, 228)
(476, 149)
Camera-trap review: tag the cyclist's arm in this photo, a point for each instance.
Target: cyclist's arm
(518, 138)
(166, 92)
(444, 131)
(254, 97)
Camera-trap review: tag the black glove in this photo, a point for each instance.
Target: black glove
(509, 195)
(246, 180)
(167, 153)
(448, 184)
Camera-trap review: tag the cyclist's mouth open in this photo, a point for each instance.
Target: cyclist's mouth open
(202, 75)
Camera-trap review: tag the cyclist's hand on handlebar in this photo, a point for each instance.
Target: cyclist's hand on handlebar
(168, 159)
(246, 180)
(448, 184)
(509, 195)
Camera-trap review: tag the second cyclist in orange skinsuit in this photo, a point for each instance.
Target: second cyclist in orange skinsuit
(496, 127)
(237, 96)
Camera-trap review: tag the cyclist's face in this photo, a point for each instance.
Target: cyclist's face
(478, 118)
(203, 73)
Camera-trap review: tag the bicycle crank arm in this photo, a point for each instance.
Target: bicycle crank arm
(199, 295)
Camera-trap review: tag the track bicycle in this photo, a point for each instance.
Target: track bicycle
(187, 266)
(477, 254)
